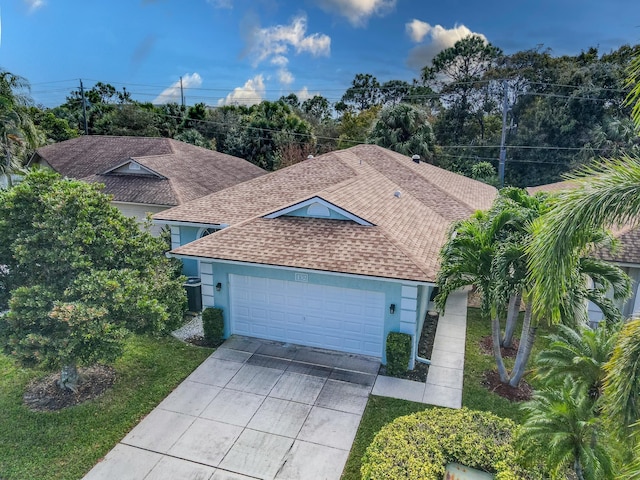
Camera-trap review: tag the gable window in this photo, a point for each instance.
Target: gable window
(206, 231)
(318, 210)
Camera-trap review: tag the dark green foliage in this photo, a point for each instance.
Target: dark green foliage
(79, 274)
(420, 446)
(213, 325)
(398, 353)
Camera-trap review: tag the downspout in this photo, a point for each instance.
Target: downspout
(422, 360)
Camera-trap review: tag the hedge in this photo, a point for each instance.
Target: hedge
(398, 353)
(213, 325)
(419, 446)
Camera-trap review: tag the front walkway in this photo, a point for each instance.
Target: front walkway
(445, 377)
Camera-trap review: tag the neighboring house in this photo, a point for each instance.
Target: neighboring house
(145, 175)
(334, 252)
(626, 256)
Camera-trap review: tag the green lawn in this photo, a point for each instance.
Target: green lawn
(381, 410)
(66, 444)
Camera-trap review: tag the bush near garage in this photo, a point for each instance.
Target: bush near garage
(419, 446)
(213, 326)
(398, 353)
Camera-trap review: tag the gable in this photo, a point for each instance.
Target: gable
(131, 167)
(317, 207)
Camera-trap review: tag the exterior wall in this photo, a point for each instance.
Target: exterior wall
(629, 308)
(403, 297)
(190, 267)
(303, 212)
(139, 212)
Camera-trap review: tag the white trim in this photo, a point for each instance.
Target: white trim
(298, 269)
(624, 264)
(176, 223)
(131, 160)
(202, 229)
(323, 202)
(143, 204)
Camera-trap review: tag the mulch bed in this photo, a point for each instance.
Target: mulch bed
(44, 395)
(200, 341)
(425, 347)
(492, 383)
(486, 346)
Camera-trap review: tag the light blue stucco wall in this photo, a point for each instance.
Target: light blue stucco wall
(391, 290)
(189, 266)
(302, 212)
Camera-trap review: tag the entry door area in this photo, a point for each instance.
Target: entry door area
(344, 319)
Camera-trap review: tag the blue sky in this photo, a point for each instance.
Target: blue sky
(236, 51)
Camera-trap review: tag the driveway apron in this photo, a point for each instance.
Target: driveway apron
(253, 409)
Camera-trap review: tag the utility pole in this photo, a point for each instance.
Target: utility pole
(503, 149)
(84, 108)
(181, 94)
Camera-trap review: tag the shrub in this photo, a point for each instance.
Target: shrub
(398, 353)
(419, 446)
(213, 325)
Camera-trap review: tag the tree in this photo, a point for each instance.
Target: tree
(606, 194)
(561, 429)
(78, 276)
(355, 128)
(17, 132)
(456, 72)
(364, 92)
(404, 129)
(580, 356)
(318, 108)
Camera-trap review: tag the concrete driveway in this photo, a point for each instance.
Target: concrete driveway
(254, 409)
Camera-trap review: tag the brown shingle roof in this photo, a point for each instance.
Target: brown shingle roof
(628, 236)
(404, 242)
(191, 172)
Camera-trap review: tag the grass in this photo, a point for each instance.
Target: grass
(381, 410)
(66, 444)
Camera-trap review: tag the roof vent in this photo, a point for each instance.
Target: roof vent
(397, 194)
(416, 158)
(309, 157)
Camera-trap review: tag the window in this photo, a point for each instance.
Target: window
(206, 231)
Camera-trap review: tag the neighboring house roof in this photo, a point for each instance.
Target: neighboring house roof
(403, 243)
(552, 187)
(628, 236)
(174, 172)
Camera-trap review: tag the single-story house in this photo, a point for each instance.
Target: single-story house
(626, 256)
(145, 175)
(334, 252)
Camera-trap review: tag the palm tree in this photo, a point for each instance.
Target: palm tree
(561, 428)
(466, 259)
(608, 195)
(17, 131)
(579, 355)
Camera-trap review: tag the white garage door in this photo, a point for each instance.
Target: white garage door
(342, 319)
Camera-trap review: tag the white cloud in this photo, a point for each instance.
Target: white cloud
(357, 11)
(304, 94)
(274, 42)
(34, 4)
(440, 39)
(172, 93)
(251, 93)
(417, 29)
(285, 76)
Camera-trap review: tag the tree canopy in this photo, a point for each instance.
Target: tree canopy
(77, 275)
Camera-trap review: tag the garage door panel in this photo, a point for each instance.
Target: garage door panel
(316, 315)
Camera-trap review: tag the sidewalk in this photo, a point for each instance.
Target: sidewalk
(444, 380)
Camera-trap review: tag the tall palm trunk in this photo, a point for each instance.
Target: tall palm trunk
(524, 349)
(577, 467)
(512, 319)
(497, 354)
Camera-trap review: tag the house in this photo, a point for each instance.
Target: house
(145, 175)
(626, 256)
(334, 252)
